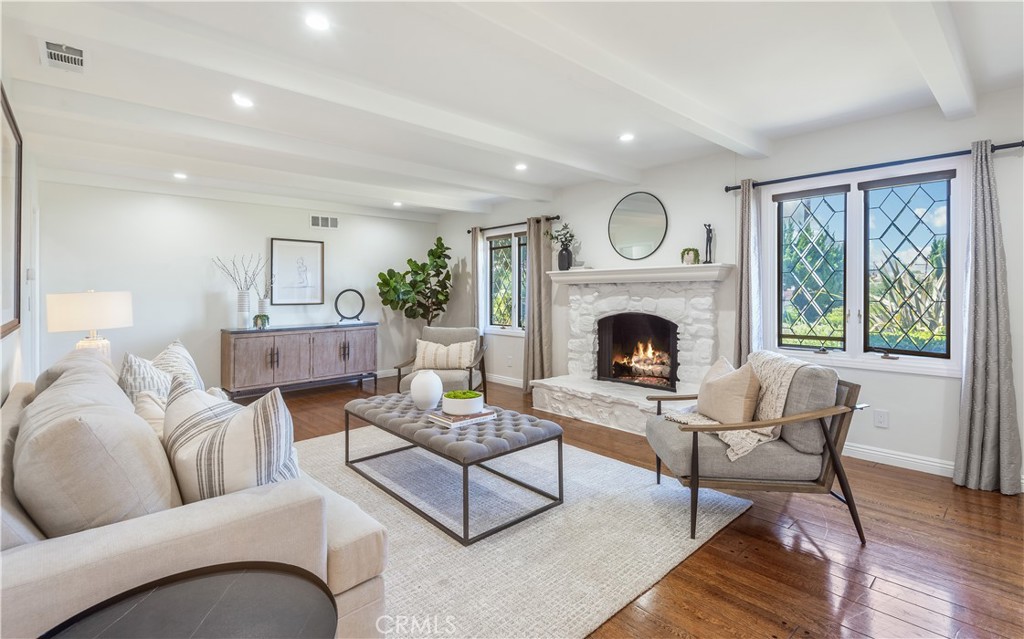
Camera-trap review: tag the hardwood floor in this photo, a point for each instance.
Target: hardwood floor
(940, 560)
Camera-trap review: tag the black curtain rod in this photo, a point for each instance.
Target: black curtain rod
(995, 147)
(549, 218)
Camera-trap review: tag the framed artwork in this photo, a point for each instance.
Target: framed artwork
(10, 226)
(297, 268)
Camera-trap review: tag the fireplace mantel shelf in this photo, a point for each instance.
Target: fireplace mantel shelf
(675, 273)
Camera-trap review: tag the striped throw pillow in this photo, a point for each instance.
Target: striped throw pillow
(432, 356)
(217, 447)
(139, 375)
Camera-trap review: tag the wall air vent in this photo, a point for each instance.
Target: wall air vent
(323, 222)
(61, 56)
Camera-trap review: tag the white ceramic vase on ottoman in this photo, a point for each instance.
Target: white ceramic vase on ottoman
(426, 390)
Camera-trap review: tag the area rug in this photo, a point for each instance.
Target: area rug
(560, 574)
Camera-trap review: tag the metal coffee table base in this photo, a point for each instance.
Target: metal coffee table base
(464, 538)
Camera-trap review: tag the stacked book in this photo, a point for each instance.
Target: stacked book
(454, 421)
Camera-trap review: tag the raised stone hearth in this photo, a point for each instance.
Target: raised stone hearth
(684, 295)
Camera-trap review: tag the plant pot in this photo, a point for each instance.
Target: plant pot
(462, 406)
(426, 390)
(564, 259)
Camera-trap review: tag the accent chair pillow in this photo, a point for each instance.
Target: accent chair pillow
(433, 356)
(138, 374)
(728, 395)
(217, 447)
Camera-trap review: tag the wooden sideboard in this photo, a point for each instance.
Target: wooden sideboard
(253, 361)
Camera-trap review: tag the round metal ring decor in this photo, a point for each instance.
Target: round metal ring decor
(350, 302)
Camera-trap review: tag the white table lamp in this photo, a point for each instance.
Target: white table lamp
(89, 311)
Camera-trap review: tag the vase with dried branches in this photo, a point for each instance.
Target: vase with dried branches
(263, 296)
(242, 272)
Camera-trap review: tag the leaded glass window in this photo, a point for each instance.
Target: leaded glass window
(507, 280)
(906, 257)
(812, 268)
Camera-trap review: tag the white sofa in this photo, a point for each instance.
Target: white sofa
(298, 522)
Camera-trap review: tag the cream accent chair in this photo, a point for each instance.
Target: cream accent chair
(472, 377)
(805, 459)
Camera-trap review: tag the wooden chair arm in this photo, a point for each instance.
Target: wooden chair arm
(669, 398)
(476, 360)
(411, 361)
(831, 411)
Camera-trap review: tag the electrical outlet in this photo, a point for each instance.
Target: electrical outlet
(508, 362)
(881, 418)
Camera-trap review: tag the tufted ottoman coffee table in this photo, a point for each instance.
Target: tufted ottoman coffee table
(467, 446)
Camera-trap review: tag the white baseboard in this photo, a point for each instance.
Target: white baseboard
(909, 461)
(507, 381)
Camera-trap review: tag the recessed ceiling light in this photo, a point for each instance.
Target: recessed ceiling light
(396, 204)
(242, 100)
(180, 176)
(626, 137)
(317, 22)
(520, 167)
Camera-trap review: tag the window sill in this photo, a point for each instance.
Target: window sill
(906, 364)
(504, 332)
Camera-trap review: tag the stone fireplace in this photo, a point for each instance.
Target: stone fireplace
(676, 304)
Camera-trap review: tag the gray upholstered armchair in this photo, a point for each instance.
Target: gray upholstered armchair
(804, 459)
(472, 377)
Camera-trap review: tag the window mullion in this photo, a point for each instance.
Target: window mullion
(855, 273)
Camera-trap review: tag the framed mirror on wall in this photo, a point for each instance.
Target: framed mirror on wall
(637, 226)
(10, 195)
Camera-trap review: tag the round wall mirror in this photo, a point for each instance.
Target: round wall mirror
(637, 226)
(349, 304)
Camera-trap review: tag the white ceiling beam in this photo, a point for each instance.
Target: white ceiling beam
(159, 38)
(66, 153)
(141, 185)
(930, 32)
(655, 95)
(54, 101)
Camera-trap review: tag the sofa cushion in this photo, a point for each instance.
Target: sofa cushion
(434, 356)
(728, 395)
(16, 527)
(83, 459)
(356, 542)
(139, 375)
(85, 359)
(218, 447)
(813, 388)
(771, 460)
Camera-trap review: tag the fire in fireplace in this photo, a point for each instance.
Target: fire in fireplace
(637, 348)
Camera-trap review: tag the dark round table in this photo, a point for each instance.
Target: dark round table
(250, 600)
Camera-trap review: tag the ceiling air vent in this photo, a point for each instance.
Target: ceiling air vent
(323, 222)
(61, 56)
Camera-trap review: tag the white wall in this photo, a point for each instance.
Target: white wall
(160, 247)
(923, 409)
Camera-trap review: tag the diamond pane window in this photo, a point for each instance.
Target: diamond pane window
(501, 274)
(812, 269)
(906, 276)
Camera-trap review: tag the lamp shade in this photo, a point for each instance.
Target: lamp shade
(89, 311)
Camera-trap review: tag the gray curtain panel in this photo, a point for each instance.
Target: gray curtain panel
(476, 237)
(988, 453)
(748, 307)
(537, 351)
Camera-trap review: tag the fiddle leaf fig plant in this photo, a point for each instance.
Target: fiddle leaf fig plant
(423, 291)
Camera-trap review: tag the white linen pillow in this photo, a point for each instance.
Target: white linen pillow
(217, 447)
(728, 395)
(138, 374)
(151, 407)
(433, 356)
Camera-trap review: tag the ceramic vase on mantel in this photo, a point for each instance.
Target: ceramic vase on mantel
(244, 316)
(426, 390)
(564, 258)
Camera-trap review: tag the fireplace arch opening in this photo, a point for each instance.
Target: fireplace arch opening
(638, 349)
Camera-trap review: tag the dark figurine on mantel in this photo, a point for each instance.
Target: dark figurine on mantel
(707, 244)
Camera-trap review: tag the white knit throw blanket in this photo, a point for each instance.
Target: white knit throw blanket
(775, 373)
